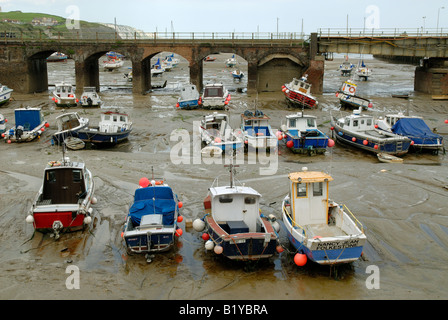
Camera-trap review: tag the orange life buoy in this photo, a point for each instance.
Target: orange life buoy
(352, 89)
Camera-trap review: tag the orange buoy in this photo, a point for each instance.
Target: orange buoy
(300, 259)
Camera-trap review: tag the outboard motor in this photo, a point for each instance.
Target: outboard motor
(19, 132)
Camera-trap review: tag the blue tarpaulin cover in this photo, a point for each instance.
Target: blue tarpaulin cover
(153, 200)
(416, 129)
(29, 119)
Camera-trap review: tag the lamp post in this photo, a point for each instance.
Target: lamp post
(424, 24)
(438, 14)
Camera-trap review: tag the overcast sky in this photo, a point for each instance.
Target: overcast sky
(245, 15)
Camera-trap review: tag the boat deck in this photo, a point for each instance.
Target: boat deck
(324, 231)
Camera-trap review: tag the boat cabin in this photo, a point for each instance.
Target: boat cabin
(300, 123)
(235, 209)
(308, 196)
(64, 183)
(214, 91)
(301, 85)
(349, 88)
(357, 122)
(255, 124)
(112, 122)
(215, 121)
(28, 118)
(68, 121)
(64, 90)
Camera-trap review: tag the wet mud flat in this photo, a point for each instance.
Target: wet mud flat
(401, 206)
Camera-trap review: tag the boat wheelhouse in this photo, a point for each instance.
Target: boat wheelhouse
(189, 97)
(5, 94)
(257, 131)
(348, 98)
(323, 230)
(90, 98)
(216, 131)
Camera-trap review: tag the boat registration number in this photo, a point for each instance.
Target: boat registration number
(334, 245)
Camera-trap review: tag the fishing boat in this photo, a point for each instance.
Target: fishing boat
(413, 127)
(172, 60)
(57, 57)
(90, 98)
(152, 222)
(64, 199)
(215, 96)
(302, 134)
(29, 125)
(5, 94)
(68, 125)
(231, 62)
(348, 98)
(257, 131)
(298, 93)
(113, 128)
(3, 122)
(64, 95)
(129, 75)
(216, 131)
(320, 229)
(346, 68)
(363, 72)
(233, 224)
(157, 69)
(189, 97)
(113, 64)
(359, 130)
(114, 55)
(209, 59)
(237, 74)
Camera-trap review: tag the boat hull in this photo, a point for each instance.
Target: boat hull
(71, 221)
(149, 241)
(298, 99)
(101, 138)
(352, 102)
(245, 245)
(316, 144)
(189, 104)
(5, 97)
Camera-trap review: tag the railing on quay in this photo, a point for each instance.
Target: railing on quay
(382, 33)
(258, 38)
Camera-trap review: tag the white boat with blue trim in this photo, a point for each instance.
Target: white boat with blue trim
(323, 230)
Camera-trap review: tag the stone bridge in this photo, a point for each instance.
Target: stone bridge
(273, 59)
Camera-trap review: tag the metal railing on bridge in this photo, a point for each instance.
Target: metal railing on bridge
(383, 33)
(270, 38)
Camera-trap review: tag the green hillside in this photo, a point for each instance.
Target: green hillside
(27, 30)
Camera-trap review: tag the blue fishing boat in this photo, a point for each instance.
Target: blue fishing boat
(413, 127)
(233, 224)
(152, 222)
(359, 130)
(113, 128)
(348, 98)
(189, 97)
(320, 229)
(30, 124)
(303, 136)
(157, 69)
(237, 74)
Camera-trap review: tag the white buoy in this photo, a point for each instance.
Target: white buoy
(90, 210)
(29, 219)
(276, 226)
(198, 225)
(87, 220)
(94, 200)
(209, 245)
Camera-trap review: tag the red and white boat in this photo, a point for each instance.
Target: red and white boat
(298, 93)
(63, 201)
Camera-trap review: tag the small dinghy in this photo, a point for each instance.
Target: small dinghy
(211, 152)
(74, 143)
(388, 158)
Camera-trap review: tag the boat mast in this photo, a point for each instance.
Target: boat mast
(231, 170)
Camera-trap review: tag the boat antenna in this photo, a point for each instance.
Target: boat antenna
(152, 172)
(232, 172)
(64, 146)
(408, 106)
